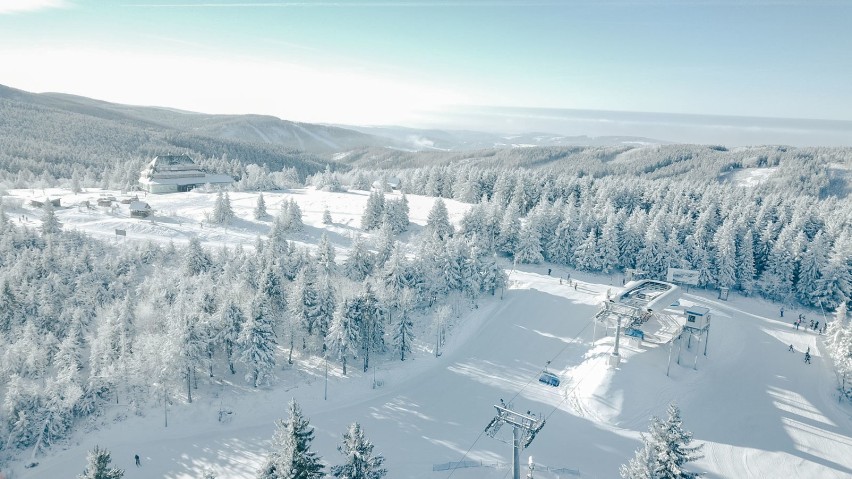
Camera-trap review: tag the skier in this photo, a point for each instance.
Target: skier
(575, 286)
(138, 464)
(797, 325)
(782, 312)
(548, 271)
(791, 348)
(816, 325)
(808, 357)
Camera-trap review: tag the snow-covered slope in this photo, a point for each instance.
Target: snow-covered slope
(758, 408)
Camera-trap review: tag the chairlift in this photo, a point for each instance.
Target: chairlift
(549, 378)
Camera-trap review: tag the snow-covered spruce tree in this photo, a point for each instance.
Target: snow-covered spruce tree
(303, 301)
(49, 223)
(510, 228)
(726, 251)
(811, 263)
(835, 283)
(325, 256)
(222, 211)
(403, 332)
(608, 258)
(438, 221)
(360, 461)
(291, 456)
(326, 217)
(396, 214)
(745, 262)
(528, 249)
(98, 466)
(665, 451)
(839, 342)
(359, 264)
(343, 335)
(294, 213)
(195, 259)
(374, 211)
(230, 324)
(257, 344)
(585, 254)
(384, 244)
(260, 208)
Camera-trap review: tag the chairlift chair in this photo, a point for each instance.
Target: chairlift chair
(549, 378)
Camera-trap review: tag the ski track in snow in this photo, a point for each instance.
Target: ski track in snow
(758, 408)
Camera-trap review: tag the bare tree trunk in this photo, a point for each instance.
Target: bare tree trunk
(188, 385)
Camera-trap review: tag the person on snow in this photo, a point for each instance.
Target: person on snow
(138, 464)
(791, 348)
(807, 357)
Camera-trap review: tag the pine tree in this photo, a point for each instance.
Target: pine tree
(528, 249)
(294, 216)
(374, 211)
(196, 260)
(813, 260)
(359, 264)
(98, 466)
(257, 342)
(360, 461)
(49, 224)
(510, 228)
(231, 320)
(839, 342)
(608, 254)
(344, 335)
(403, 333)
(725, 245)
(291, 457)
(325, 256)
(745, 262)
(326, 217)
(585, 255)
(665, 451)
(438, 221)
(222, 211)
(260, 209)
(641, 465)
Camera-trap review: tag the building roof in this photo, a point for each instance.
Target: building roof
(178, 170)
(191, 180)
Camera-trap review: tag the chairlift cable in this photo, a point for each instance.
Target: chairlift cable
(569, 343)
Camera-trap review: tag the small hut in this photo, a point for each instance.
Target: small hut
(140, 209)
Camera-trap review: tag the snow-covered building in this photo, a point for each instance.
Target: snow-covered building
(174, 173)
(140, 209)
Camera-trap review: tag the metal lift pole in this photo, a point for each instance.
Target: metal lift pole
(524, 429)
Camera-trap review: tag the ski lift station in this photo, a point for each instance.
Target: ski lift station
(648, 311)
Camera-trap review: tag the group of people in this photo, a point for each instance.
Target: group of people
(807, 353)
(813, 325)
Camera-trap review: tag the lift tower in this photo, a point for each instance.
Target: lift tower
(524, 429)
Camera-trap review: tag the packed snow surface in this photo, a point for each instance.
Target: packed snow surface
(758, 408)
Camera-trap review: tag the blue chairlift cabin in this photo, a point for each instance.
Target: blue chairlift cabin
(549, 378)
(635, 333)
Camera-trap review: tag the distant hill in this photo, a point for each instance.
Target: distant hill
(415, 139)
(57, 134)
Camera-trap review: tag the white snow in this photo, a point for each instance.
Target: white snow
(750, 177)
(758, 408)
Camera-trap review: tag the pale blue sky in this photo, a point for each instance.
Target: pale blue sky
(352, 61)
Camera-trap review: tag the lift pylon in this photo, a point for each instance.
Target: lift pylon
(524, 429)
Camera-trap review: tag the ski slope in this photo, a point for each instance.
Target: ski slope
(758, 408)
